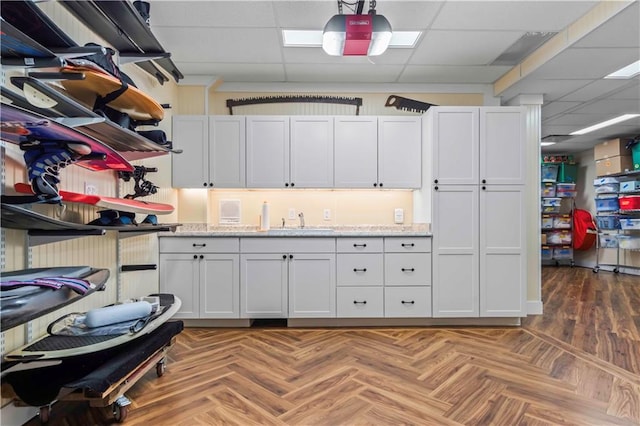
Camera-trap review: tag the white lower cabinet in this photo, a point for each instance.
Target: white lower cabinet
(407, 302)
(204, 273)
(288, 278)
(360, 302)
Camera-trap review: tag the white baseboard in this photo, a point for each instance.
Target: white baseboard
(534, 307)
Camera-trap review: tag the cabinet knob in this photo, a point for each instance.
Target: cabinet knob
(484, 188)
(408, 269)
(381, 184)
(355, 302)
(435, 181)
(484, 181)
(435, 188)
(201, 257)
(290, 256)
(286, 184)
(211, 184)
(408, 303)
(195, 256)
(204, 184)
(375, 184)
(284, 257)
(292, 184)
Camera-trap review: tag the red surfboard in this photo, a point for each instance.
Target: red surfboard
(112, 203)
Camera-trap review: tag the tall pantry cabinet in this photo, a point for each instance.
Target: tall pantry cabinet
(478, 220)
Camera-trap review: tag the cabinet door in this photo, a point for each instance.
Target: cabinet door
(267, 152)
(455, 251)
(399, 152)
(220, 286)
(180, 275)
(502, 146)
(356, 152)
(227, 151)
(312, 285)
(311, 152)
(455, 148)
(191, 168)
(502, 251)
(263, 285)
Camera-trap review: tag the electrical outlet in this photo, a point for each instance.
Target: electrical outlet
(326, 215)
(292, 213)
(90, 189)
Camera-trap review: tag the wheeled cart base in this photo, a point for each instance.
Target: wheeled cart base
(103, 386)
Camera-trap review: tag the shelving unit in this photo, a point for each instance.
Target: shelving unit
(618, 219)
(557, 207)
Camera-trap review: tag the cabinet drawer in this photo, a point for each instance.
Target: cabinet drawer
(407, 245)
(407, 269)
(359, 245)
(199, 245)
(288, 245)
(355, 269)
(360, 302)
(406, 302)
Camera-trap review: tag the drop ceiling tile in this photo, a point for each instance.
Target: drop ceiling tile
(452, 74)
(552, 90)
(623, 30)
(189, 14)
(511, 15)
(598, 88)
(315, 55)
(610, 108)
(235, 72)
(588, 63)
(554, 108)
(462, 47)
(252, 45)
(335, 73)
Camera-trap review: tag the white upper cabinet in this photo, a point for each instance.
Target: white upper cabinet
(311, 152)
(399, 152)
(502, 145)
(356, 152)
(213, 151)
(268, 151)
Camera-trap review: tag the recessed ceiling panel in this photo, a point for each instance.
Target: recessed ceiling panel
(462, 47)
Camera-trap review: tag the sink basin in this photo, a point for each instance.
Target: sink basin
(300, 231)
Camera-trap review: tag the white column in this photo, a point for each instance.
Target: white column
(533, 104)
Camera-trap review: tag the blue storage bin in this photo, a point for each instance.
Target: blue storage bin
(546, 253)
(608, 222)
(549, 172)
(607, 204)
(562, 253)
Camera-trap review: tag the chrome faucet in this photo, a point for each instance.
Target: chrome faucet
(301, 216)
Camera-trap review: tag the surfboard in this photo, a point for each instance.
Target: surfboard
(16, 217)
(133, 101)
(112, 203)
(54, 346)
(18, 125)
(23, 303)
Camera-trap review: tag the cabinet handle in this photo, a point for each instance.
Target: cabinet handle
(359, 270)
(359, 245)
(407, 244)
(355, 302)
(408, 269)
(200, 245)
(408, 303)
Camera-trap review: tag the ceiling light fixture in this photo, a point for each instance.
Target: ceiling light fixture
(629, 71)
(358, 34)
(605, 124)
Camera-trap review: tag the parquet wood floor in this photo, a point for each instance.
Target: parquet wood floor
(578, 364)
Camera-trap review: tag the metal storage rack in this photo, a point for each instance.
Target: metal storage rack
(557, 207)
(620, 227)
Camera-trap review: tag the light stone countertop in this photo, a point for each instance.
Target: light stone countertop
(204, 230)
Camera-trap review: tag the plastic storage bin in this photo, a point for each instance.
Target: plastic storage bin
(608, 222)
(607, 204)
(559, 237)
(562, 222)
(568, 173)
(629, 202)
(605, 181)
(555, 202)
(630, 186)
(548, 189)
(628, 242)
(563, 253)
(628, 223)
(546, 253)
(546, 222)
(549, 172)
(608, 241)
(608, 188)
